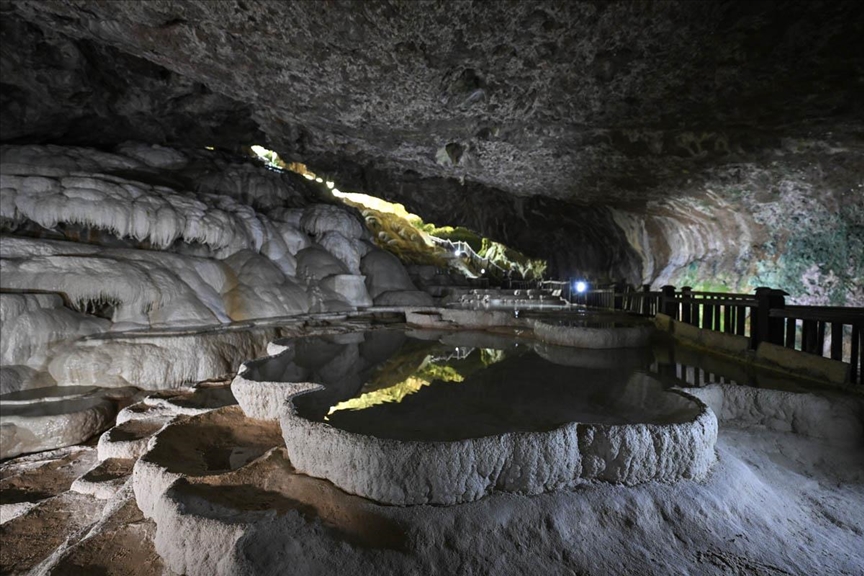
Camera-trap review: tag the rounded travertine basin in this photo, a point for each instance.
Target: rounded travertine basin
(579, 335)
(404, 470)
(415, 472)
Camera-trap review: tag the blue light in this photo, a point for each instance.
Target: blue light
(581, 287)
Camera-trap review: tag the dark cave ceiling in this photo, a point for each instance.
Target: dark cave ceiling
(523, 119)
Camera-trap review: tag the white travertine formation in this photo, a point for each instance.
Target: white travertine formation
(153, 155)
(266, 400)
(29, 323)
(105, 479)
(156, 362)
(350, 288)
(463, 318)
(140, 255)
(129, 440)
(48, 418)
(827, 416)
(314, 264)
(320, 219)
(209, 443)
(384, 273)
(407, 473)
(589, 337)
(16, 377)
(343, 248)
(413, 472)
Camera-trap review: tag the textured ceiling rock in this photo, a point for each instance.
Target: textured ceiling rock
(57, 90)
(552, 98)
(596, 134)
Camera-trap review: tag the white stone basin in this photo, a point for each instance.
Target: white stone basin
(586, 336)
(675, 440)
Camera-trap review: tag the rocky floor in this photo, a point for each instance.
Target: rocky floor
(776, 503)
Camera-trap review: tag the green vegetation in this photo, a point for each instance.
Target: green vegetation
(406, 235)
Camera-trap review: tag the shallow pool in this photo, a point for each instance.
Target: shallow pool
(423, 385)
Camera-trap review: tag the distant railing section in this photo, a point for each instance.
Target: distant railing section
(834, 332)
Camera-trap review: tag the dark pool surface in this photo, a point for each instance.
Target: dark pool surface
(440, 387)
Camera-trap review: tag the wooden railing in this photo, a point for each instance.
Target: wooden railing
(620, 297)
(761, 317)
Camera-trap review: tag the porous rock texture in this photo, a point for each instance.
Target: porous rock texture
(261, 515)
(593, 337)
(789, 470)
(95, 242)
(48, 418)
(701, 143)
(410, 472)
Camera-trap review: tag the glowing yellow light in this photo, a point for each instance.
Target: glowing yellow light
(209, 148)
(308, 176)
(330, 184)
(319, 180)
(336, 192)
(260, 151)
(398, 391)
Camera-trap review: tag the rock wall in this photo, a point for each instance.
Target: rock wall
(154, 237)
(711, 144)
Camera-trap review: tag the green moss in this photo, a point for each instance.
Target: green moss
(458, 234)
(432, 372)
(833, 242)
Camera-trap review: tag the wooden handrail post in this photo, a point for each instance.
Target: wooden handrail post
(768, 329)
(668, 302)
(686, 305)
(645, 305)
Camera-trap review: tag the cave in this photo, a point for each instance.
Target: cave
(431, 287)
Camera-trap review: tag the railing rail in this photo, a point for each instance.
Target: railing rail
(831, 331)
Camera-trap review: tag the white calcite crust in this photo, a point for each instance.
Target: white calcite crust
(105, 479)
(263, 400)
(31, 322)
(407, 473)
(158, 361)
(343, 248)
(350, 288)
(48, 418)
(413, 472)
(449, 318)
(384, 273)
(589, 337)
(129, 439)
(320, 219)
(827, 416)
(185, 448)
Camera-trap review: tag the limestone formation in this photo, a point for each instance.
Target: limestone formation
(297, 287)
(48, 418)
(593, 337)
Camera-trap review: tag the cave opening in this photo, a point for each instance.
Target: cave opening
(449, 249)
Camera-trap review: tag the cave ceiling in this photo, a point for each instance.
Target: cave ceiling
(540, 107)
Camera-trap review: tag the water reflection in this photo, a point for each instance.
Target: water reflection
(450, 385)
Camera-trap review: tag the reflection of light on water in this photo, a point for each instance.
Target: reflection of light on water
(395, 393)
(432, 369)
